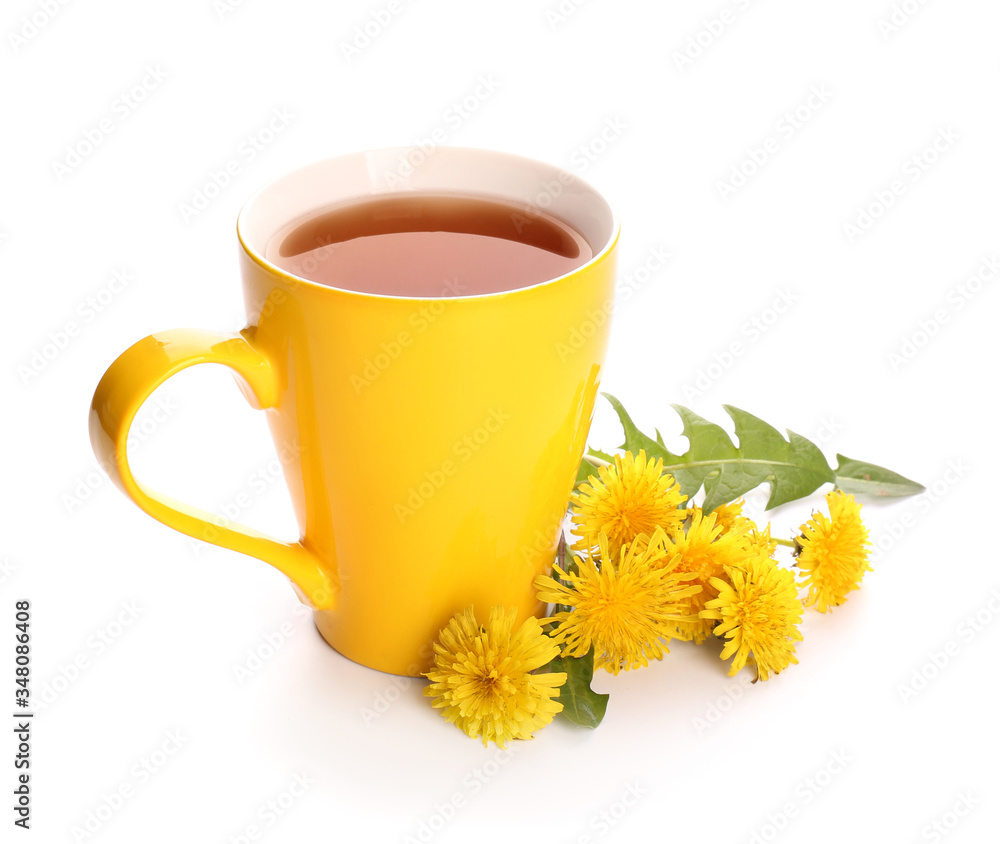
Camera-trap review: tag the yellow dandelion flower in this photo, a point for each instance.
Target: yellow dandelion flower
(757, 541)
(759, 611)
(727, 516)
(622, 609)
(482, 677)
(833, 552)
(730, 518)
(704, 551)
(630, 497)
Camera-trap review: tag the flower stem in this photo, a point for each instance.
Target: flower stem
(561, 551)
(788, 543)
(596, 462)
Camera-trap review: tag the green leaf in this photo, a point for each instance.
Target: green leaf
(636, 439)
(585, 471)
(601, 455)
(581, 704)
(793, 467)
(860, 478)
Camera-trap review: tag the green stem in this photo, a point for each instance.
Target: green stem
(788, 543)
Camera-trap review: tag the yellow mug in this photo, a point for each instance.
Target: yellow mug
(435, 442)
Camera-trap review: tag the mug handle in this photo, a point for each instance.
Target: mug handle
(131, 379)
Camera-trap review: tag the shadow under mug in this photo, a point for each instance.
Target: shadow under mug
(430, 445)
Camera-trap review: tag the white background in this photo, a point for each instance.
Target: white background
(602, 92)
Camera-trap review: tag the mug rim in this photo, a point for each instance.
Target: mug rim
(257, 256)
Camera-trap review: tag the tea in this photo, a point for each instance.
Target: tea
(428, 246)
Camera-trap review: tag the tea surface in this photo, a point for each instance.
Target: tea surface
(428, 246)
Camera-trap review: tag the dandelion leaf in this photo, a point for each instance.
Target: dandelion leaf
(793, 467)
(581, 704)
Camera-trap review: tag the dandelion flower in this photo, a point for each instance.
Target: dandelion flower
(482, 677)
(757, 541)
(727, 516)
(630, 497)
(624, 608)
(759, 611)
(730, 518)
(833, 552)
(704, 551)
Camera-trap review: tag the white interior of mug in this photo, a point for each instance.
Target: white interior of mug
(514, 179)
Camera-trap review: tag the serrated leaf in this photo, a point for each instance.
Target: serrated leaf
(581, 704)
(860, 478)
(792, 467)
(636, 439)
(798, 466)
(702, 466)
